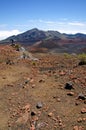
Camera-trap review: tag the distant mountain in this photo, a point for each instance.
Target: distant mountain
(50, 40)
(34, 35)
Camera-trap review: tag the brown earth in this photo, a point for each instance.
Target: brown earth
(25, 83)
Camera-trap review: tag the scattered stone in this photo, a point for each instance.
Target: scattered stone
(50, 114)
(58, 100)
(24, 87)
(9, 124)
(62, 73)
(4, 77)
(33, 85)
(32, 80)
(23, 119)
(85, 102)
(33, 113)
(75, 128)
(77, 103)
(39, 105)
(84, 119)
(35, 118)
(69, 86)
(40, 125)
(83, 110)
(9, 62)
(54, 118)
(27, 107)
(32, 127)
(54, 96)
(60, 124)
(27, 81)
(10, 85)
(81, 96)
(39, 113)
(60, 121)
(81, 128)
(80, 120)
(70, 93)
(41, 80)
(58, 117)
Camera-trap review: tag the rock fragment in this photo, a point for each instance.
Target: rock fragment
(33, 113)
(39, 105)
(70, 93)
(78, 128)
(50, 114)
(81, 96)
(69, 86)
(83, 110)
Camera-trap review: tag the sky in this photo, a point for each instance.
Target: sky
(65, 16)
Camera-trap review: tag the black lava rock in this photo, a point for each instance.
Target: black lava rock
(69, 86)
(81, 96)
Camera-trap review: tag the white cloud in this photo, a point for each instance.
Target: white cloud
(46, 22)
(68, 31)
(76, 24)
(72, 30)
(62, 25)
(7, 33)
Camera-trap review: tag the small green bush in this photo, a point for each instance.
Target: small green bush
(17, 47)
(34, 63)
(82, 58)
(67, 55)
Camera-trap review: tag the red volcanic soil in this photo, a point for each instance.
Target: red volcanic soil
(44, 94)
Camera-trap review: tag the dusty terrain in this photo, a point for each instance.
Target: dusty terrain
(33, 94)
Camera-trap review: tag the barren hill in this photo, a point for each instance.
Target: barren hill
(55, 41)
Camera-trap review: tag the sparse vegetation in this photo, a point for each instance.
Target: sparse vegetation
(16, 46)
(67, 55)
(82, 58)
(34, 63)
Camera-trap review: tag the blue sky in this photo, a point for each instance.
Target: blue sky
(66, 16)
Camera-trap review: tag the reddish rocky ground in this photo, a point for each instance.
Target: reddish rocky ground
(47, 94)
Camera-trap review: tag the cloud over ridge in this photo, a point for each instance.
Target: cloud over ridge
(6, 33)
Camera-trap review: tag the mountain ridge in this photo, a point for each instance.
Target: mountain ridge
(50, 39)
(36, 35)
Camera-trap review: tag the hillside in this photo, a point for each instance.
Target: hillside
(38, 40)
(45, 93)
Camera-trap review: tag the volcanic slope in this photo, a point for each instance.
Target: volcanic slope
(44, 94)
